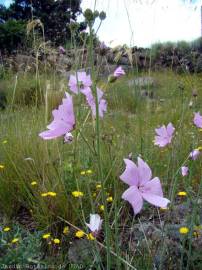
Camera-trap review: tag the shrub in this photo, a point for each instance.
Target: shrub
(12, 34)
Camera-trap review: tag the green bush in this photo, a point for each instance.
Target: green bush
(12, 34)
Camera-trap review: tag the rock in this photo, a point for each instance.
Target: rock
(81, 251)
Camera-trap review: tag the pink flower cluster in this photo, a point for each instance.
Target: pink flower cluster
(63, 117)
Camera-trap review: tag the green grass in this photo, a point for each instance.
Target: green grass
(128, 126)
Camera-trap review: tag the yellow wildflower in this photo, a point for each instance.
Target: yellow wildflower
(110, 199)
(15, 240)
(33, 183)
(2, 166)
(94, 194)
(90, 236)
(98, 186)
(89, 171)
(183, 230)
(44, 194)
(199, 148)
(82, 173)
(52, 194)
(196, 233)
(101, 207)
(182, 193)
(66, 230)
(46, 236)
(6, 229)
(56, 241)
(79, 234)
(77, 194)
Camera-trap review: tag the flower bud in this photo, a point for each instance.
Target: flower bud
(102, 16)
(111, 78)
(88, 14)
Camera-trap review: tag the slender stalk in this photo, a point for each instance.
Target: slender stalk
(98, 146)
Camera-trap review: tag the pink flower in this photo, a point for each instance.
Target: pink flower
(198, 120)
(61, 50)
(68, 138)
(184, 170)
(164, 135)
(119, 72)
(79, 82)
(63, 122)
(194, 154)
(95, 223)
(142, 187)
(103, 46)
(91, 101)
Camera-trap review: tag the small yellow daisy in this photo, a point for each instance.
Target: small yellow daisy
(90, 236)
(101, 207)
(182, 193)
(46, 236)
(183, 230)
(77, 194)
(52, 194)
(79, 234)
(44, 194)
(33, 183)
(15, 240)
(56, 241)
(89, 171)
(2, 166)
(98, 186)
(110, 199)
(82, 173)
(6, 229)
(66, 230)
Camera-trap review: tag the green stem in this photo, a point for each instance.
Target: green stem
(98, 146)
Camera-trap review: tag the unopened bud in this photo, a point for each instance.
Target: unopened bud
(102, 16)
(111, 78)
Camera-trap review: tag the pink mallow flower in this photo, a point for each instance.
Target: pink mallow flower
(142, 187)
(184, 170)
(198, 120)
(95, 223)
(91, 101)
(79, 82)
(194, 154)
(119, 72)
(63, 122)
(164, 135)
(61, 50)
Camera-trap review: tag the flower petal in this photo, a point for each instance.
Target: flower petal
(170, 129)
(153, 187)
(155, 199)
(52, 134)
(144, 171)
(198, 120)
(130, 175)
(134, 197)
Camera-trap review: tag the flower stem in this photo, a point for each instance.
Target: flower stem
(98, 146)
